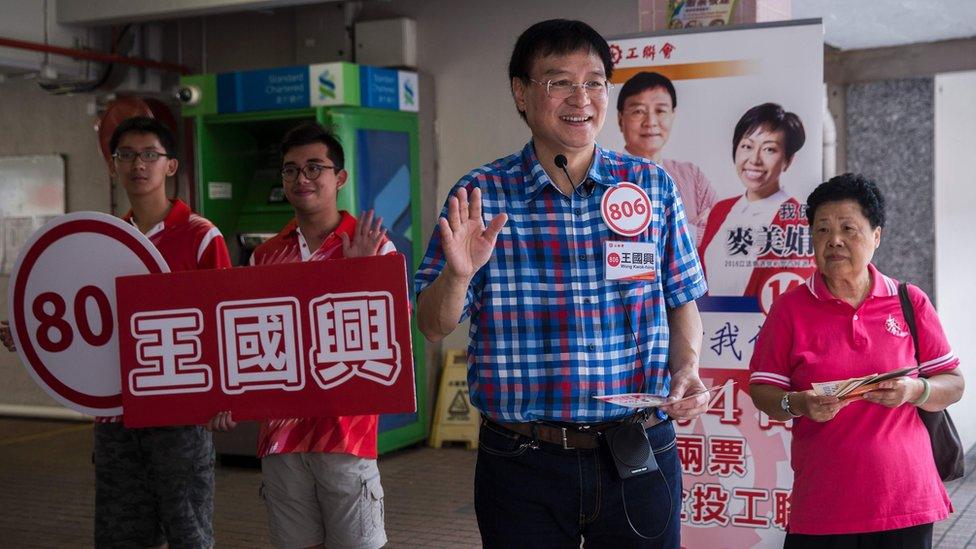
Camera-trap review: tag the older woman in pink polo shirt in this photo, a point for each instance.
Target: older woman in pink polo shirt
(864, 472)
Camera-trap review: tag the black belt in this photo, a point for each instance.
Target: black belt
(585, 436)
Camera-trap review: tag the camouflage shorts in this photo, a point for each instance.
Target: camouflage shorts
(153, 485)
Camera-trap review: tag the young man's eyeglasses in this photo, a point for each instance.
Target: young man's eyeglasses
(562, 89)
(310, 171)
(148, 157)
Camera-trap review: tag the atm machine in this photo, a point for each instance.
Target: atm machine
(238, 120)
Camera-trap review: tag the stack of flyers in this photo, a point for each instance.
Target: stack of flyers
(647, 400)
(856, 386)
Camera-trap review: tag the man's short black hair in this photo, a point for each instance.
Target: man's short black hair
(556, 37)
(850, 186)
(771, 117)
(313, 132)
(643, 81)
(145, 125)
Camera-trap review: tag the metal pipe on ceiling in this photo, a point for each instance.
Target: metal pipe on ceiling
(94, 55)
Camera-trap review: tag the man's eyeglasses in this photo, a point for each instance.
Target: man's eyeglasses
(148, 157)
(562, 89)
(310, 171)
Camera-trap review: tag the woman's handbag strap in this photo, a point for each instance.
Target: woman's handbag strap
(908, 311)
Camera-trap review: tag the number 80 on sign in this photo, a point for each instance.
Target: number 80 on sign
(62, 307)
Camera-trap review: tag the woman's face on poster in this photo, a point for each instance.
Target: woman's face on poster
(646, 121)
(760, 159)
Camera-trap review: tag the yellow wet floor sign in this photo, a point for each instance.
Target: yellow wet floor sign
(455, 419)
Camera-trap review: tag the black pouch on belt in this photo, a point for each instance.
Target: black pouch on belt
(630, 450)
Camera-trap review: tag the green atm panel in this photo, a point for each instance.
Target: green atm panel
(383, 160)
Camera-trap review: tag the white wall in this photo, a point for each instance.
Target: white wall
(35, 122)
(955, 258)
(36, 22)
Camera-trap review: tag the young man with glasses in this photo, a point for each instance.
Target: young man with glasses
(154, 486)
(321, 484)
(551, 327)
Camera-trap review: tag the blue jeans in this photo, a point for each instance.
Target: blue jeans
(541, 496)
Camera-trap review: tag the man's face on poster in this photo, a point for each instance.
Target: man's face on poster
(645, 122)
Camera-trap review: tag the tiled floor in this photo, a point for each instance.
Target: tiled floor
(959, 530)
(46, 494)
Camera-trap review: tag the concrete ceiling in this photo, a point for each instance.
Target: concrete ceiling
(104, 12)
(850, 24)
(858, 24)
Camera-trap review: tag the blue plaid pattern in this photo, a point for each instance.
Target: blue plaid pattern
(547, 331)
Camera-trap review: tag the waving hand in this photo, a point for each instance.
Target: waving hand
(467, 243)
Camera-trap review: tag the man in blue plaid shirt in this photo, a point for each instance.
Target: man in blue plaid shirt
(522, 250)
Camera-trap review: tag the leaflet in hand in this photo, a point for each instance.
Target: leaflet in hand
(647, 400)
(856, 386)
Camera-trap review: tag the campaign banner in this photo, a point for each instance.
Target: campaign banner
(734, 115)
(310, 339)
(61, 306)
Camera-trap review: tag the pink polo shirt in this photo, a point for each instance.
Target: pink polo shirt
(870, 468)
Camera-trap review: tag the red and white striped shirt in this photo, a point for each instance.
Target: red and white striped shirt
(188, 242)
(354, 435)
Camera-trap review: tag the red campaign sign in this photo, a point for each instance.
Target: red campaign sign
(61, 301)
(311, 339)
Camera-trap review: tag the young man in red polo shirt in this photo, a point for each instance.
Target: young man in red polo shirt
(321, 484)
(154, 486)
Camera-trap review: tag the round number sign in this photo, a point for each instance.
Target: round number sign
(62, 307)
(626, 209)
(776, 286)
